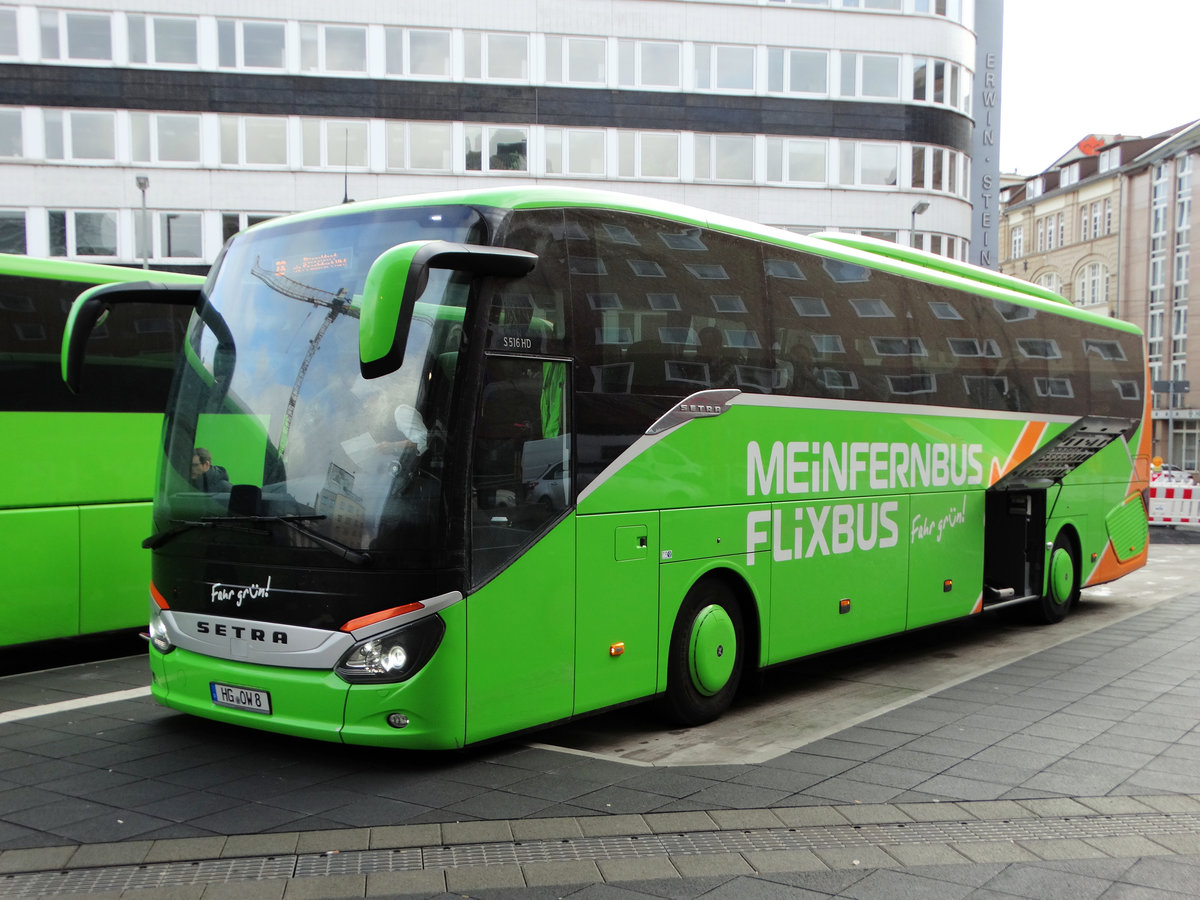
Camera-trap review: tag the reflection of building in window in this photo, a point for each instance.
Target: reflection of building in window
(912, 384)
(898, 346)
(943, 310)
(343, 507)
(1038, 348)
(1054, 387)
(871, 308)
(1128, 390)
(1103, 349)
(973, 347)
(810, 307)
(839, 379)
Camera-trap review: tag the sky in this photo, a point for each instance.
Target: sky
(1077, 67)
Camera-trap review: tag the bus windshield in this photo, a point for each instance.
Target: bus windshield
(273, 437)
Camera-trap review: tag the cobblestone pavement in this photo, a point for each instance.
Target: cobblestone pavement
(1072, 772)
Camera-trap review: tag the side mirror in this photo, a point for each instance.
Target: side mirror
(398, 277)
(93, 303)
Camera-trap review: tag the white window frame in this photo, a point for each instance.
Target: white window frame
(563, 47)
(239, 47)
(154, 121)
(149, 40)
(70, 236)
(320, 35)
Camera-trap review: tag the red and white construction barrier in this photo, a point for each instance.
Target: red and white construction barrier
(1174, 504)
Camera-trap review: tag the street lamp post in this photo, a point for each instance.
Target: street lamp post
(143, 182)
(918, 209)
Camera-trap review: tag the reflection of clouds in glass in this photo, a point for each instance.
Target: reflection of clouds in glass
(290, 349)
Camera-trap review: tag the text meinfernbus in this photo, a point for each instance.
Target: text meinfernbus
(496, 459)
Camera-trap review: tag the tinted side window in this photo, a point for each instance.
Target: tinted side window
(843, 330)
(130, 358)
(666, 309)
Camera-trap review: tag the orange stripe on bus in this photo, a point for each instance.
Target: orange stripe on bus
(1027, 442)
(1109, 568)
(158, 598)
(364, 621)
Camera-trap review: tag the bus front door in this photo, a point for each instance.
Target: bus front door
(616, 614)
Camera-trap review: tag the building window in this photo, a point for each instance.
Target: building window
(1158, 236)
(496, 57)
(254, 141)
(937, 81)
(724, 68)
(159, 137)
(419, 146)
(251, 45)
(8, 33)
(12, 231)
(1179, 317)
(1017, 236)
(417, 52)
(334, 143)
(11, 142)
(647, 154)
(868, 164)
(1051, 281)
(792, 161)
(572, 60)
(81, 36)
(870, 75)
(1183, 226)
(162, 40)
(75, 35)
(232, 223)
(77, 233)
(1091, 287)
(496, 149)
(575, 151)
(80, 134)
(1154, 337)
(648, 64)
(333, 48)
(179, 236)
(797, 71)
(724, 157)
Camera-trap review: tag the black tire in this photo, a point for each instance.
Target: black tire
(1062, 583)
(701, 680)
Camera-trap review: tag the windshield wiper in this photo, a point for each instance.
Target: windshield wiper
(184, 525)
(343, 551)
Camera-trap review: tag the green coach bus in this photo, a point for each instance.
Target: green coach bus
(78, 469)
(500, 458)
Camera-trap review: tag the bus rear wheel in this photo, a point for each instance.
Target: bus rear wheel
(1062, 583)
(704, 666)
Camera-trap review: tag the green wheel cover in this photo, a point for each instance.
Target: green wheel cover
(712, 650)
(1062, 576)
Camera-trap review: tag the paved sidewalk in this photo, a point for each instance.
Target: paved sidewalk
(1073, 772)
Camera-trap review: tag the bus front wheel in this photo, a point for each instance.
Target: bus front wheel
(705, 661)
(1062, 583)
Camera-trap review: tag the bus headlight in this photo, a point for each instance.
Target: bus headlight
(393, 656)
(158, 634)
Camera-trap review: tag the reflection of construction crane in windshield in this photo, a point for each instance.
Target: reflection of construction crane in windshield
(337, 303)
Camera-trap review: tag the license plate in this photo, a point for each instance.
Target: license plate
(240, 698)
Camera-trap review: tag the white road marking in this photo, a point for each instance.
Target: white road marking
(591, 754)
(32, 712)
